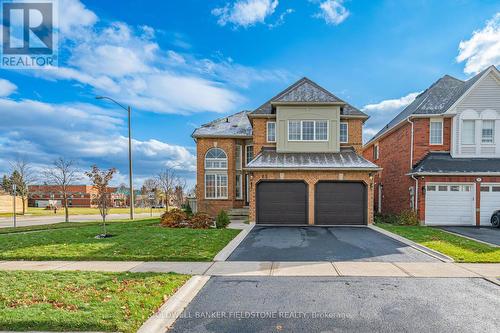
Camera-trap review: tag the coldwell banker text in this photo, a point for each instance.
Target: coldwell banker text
(29, 34)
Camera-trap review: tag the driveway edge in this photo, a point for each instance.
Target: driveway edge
(469, 238)
(168, 313)
(421, 248)
(229, 248)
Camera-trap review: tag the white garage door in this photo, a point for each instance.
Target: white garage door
(490, 201)
(449, 204)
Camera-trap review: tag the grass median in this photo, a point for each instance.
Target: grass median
(459, 248)
(82, 301)
(141, 240)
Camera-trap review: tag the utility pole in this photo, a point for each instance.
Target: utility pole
(14, 190)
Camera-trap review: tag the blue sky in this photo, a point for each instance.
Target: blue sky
(180, 64)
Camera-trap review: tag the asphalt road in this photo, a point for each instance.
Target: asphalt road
(273, 304)
(324, 244)
(485, 234)
(23, 221)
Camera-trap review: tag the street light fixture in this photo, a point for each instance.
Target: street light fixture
(129, 153)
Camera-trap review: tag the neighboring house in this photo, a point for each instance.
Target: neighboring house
(78, 196)
(293, 160)
(441, 155)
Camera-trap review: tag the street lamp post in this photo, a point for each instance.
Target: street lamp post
(129, 153)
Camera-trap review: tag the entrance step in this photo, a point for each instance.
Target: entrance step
(238, 214)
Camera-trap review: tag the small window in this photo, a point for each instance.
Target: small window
(466, 188)
(442, 188)
(344, 132)
(239, 157)
(431, 188)
(294, 130)
(485, 188)
(455, 188)
(375, 151)
(239, 187)
(495, 189)
(469, 132)
(488, 131)
(271, 131)
(436, 132)
(249, 153)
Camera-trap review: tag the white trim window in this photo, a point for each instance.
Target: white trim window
(468, 132)
(271, 131)
(376, 152)
(488, 132)
(436, 132)
(239, 186)
(344, 132)
(307, 130)
(216, 182)
(249, 153)
(239, 157)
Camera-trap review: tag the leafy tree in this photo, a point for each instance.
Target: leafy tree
(100, 180)
(6, 184)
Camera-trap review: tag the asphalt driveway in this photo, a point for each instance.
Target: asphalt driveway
(295, 304)
(323, 244)
(485, 234)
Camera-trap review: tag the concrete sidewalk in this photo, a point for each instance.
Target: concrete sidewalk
(24, 221)
(239, 268)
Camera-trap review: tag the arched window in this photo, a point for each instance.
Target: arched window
(216, 183)
(216, 158)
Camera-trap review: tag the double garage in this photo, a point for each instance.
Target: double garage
(456, 203)
(287, 202)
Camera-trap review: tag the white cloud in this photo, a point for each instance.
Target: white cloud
(73, 16)
(382, 112)
(332, 11)
(245, 13)
(482, 49)
(6, 88)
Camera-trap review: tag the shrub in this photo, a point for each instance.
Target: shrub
(188, 210)
(174, 218)
(222, 220)
(407, 217)
(201, 221)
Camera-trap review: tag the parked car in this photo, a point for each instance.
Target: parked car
(158, 206)
(495, 219)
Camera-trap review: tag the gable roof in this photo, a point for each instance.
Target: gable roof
(235, 125)
(306, 91)
(435, 100)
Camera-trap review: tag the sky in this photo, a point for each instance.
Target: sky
(180, 64)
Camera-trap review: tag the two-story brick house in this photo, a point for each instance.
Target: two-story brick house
(441, 155)
(293, 160)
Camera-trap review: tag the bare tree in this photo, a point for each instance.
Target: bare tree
(167, 180)
(62, 175)
(22, 176)
(100, 180)
(180, 191)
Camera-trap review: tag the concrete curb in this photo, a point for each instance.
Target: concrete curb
(469, 238)
(421, 248)
(168, 313)
(229, 248)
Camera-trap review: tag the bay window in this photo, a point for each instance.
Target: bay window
(308, 130)
(468, 132)
(436, 132)
(216, 182)
(488, 131)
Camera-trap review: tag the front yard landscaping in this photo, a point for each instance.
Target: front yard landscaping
(82, 301)
(34, 211)
(459, 248)
(142, 240)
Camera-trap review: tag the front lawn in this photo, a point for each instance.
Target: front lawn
(142, 240)
(459, 248)
(34, 211)
(82, 301)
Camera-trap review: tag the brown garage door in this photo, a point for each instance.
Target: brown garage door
(340, 203)
(281, 202)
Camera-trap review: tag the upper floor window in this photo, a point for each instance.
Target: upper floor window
(375, 151)
(216, 158)
(488, 131)
(271, 131)
(308, 130)
(344, 132)
(239, 157)
(469, 132)
(249, 153)
(436, 132)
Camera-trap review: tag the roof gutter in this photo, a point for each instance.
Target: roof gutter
(310, 169)
(487, 173)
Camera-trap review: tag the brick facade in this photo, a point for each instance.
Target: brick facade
(259, 128)
(355, 134)
(311, 178)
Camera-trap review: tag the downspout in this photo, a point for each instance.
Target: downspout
(411, 167)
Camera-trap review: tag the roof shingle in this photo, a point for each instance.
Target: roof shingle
(444, 163)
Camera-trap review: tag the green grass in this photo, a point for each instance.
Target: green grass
(459, 248)
(142, 240)
(33, 211)
(82, 301)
